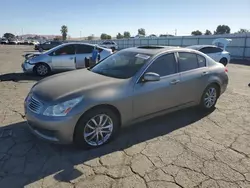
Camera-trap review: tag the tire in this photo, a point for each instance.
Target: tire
(42, 69)
(224, 61)
(86, 126)
(208, 102)
(113, 49)
(40, 49)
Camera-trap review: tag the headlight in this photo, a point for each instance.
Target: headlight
(62, 109)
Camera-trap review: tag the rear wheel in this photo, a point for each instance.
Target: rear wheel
(223, 61)
(96, 128)
(42, 69)
(113, 49)
(209, 97)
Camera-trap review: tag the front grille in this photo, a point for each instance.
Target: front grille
(35, 105)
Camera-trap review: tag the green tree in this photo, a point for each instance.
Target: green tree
(91, 37)
(64, 31)
(126, 34)
(8, 35)
(197, 32)
(207, 32)
(105, 36)
(222, 29)
(109, 37)
(141, 31)
(243, 31)
(119, 36)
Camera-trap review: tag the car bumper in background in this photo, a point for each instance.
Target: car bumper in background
(27, 68)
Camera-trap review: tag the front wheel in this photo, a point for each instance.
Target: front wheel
(96, 128)
(209, 97)
(40, 49)
(42, 69)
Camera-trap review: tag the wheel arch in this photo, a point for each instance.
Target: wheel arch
(217, 83)
(42, 63)
(107, 106)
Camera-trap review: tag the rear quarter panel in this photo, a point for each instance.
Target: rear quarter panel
(219, 76)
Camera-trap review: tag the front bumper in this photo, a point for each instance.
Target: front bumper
(27, 68)
(53, 129)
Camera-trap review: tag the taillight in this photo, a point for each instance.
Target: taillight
(226, 70)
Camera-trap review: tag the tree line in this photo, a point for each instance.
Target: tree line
(221, 29)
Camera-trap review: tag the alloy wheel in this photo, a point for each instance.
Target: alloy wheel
(98, 130)
(210, 97)
(42, 70)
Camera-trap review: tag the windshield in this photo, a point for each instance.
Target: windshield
(123, 64)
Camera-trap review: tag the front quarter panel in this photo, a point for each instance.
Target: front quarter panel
(44, 58)
(118, 95)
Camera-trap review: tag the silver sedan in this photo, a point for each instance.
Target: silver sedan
(68, 56)
(89, 106)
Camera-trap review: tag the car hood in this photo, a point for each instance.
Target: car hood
(70, 84)
(31, 55)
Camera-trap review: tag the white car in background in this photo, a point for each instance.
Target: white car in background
(217, 51)
(67, 56)
(109, 44)
(34, 42)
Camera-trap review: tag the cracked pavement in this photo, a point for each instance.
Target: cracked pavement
(182, 149)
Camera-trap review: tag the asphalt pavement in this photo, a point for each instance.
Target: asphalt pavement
(182, 149)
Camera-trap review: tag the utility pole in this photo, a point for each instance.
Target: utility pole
(175, 32)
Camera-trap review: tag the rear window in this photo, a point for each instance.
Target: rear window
(209, 50)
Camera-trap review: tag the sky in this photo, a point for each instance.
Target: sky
(87, 17)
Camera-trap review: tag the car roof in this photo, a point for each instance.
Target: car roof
(154, 50)
(197, 47)
(68, 43)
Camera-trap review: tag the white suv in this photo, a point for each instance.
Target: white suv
(109, 44)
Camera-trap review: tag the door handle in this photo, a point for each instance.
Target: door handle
(71, 58)
(173, 82)
(204, 73)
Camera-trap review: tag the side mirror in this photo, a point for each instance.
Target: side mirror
(151, 77)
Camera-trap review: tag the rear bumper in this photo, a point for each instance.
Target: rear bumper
(224, 84)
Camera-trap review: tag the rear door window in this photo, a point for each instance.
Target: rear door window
(201, 61)
(84, 49)
(187, 61)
